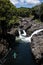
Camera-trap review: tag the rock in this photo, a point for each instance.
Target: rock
(37, 46)
(3, 48)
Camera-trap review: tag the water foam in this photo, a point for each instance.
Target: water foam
(27, 39)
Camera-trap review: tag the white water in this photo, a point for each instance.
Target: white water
(24, 33)
(23, 37)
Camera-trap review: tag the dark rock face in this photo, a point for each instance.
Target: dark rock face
(3, 48)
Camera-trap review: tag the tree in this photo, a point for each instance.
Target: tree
(37, 11)
(23, 12)
(7, 11)
(41, 12)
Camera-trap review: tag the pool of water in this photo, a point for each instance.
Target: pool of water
(21, 55)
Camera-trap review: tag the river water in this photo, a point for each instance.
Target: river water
(23, 55)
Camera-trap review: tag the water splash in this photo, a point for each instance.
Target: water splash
(36, 32)
(24, 33)
(23, 37)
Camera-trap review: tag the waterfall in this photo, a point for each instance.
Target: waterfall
(23, 37)
(36, 32)
(24, 33)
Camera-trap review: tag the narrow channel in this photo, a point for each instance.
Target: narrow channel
(23, 55)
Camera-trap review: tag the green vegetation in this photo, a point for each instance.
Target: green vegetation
(37, 11)
(7, 11)
(9, 14)
(24, 12)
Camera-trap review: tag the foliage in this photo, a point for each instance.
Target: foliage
(7, 11)
(41, 12)
(23, 12)
(37, 11)
(13, 20)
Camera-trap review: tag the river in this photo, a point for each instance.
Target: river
(23, 55)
